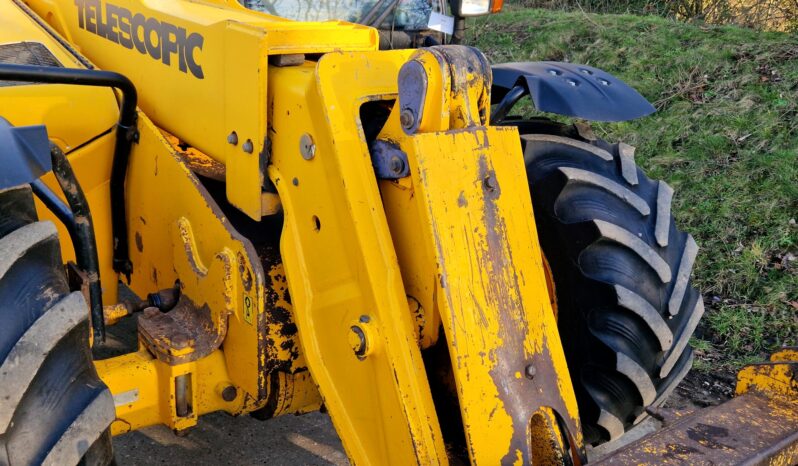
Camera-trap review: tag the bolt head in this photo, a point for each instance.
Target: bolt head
(530, 372)
(232, 138)
(307, 147)
(248, 147)
(229, 393)
(396, 164)
(490, 183)
(407, 118)
(357, 341)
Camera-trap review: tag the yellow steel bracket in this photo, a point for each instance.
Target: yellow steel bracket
(471, 212)
(355, 327)
(230, 293)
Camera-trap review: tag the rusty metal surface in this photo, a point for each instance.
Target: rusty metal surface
(198, 162)
(514, 392)
(750, 429)
(279, 330)
(184, 334)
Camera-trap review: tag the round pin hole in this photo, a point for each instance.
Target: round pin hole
(316, 223)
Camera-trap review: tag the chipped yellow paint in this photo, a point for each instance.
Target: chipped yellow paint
(283, 349)
(778, 376)
(785, 354)
(113, 313)
(212, 267)
(474, 246)
(340, 261)
(490, 285)
(220, 269)
(758, 426)
(477, 272)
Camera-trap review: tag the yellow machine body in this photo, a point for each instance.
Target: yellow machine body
(341, 279)
(374, 268)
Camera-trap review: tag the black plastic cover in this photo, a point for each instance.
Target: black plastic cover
(24, 154)
(573, 90)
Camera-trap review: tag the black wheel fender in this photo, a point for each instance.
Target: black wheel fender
(572, 90)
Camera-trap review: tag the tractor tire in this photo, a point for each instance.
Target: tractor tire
(53, 407)
(621, 272)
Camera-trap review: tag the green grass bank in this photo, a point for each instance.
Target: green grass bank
(725, 137)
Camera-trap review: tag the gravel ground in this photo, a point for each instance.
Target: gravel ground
(220, 439)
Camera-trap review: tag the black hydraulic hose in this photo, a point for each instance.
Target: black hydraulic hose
(126, 134)
(84, 240)
(507, 103)
(56, 206)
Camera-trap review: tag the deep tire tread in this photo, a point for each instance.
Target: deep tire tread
(53, 407)
(622, 274)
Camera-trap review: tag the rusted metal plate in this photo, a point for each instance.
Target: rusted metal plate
(750, 429)
(184, 334)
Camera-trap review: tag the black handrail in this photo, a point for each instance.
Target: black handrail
(80, 224)
(126, 134)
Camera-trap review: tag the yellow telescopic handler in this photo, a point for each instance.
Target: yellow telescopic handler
(273, 208)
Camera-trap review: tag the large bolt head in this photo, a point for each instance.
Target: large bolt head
(407, 118)
(229, 393)
(396, 164)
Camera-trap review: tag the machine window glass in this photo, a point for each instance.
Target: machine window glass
(384, 14)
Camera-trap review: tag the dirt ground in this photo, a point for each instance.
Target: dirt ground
(220, 439)
(702, 389)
